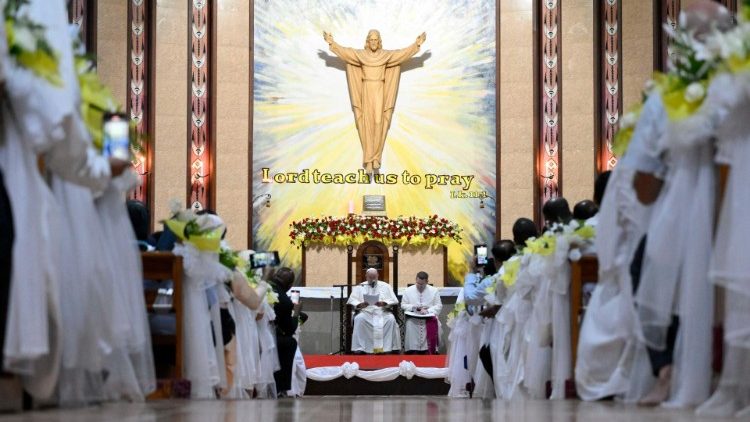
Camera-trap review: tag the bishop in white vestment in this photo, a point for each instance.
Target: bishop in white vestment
(421, 331)
(375, 328)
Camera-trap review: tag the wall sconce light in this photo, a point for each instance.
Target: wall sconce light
(266, 195)
(139, 164)
(482, 201)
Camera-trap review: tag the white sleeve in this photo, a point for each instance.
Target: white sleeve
(356, 297)
(436, 304)
(48, 116)
(390, 296)
(406, 304)
(77, 162)
(644, 151)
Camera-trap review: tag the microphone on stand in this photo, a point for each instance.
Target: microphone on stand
(331, 312)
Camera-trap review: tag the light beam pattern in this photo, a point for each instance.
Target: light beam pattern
(444, 120)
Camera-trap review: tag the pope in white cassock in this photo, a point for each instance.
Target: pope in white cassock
(422, 305)
(375, 328)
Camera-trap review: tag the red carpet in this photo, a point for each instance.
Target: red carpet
(375, 361)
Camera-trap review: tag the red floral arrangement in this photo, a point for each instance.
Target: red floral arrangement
(356, 229)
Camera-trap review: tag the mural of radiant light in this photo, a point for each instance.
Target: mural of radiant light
(444, 120)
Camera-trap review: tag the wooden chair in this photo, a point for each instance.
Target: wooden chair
(161, 267)
(585, 270)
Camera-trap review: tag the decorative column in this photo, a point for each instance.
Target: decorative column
(608, 68)
(729, 4)
(83, 14)
(201, 158)
(666, 12)
(139, 93)
(548, 104)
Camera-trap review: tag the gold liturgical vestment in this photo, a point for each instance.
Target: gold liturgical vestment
(373, 78)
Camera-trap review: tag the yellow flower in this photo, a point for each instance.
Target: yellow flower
(43, 64)
(96, 99)
(586, 232)
(210, 242)
(627, 125)
(543, 246)
(272, 297)
(744, 13)
(510, 272)
(736, 64)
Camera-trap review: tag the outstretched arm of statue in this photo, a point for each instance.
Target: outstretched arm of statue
(400, 56)
(345, 53)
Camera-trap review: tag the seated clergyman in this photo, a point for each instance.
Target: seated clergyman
(422, 305)
(375, 327)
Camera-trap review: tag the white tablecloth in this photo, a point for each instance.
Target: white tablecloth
(335, 292)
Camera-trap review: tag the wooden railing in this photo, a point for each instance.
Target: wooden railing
(585, 270)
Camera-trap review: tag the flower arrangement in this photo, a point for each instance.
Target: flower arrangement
(625, 132)
(697, 58)
(433, 231)
(202, 231)
(510, 272)
(96, 99)
(232, 260)
(731, 47)
(454, 312)
(27, 44)
(573, 236)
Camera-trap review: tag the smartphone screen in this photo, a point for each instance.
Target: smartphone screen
(116, 143)
(264, 259)
(481, 254)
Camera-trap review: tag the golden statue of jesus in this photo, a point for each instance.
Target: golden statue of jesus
(373, 75)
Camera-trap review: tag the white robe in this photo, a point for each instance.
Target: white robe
(415, 337)
(492, 332)
(675, 267)
(269, 355)
(611, 359)
(608, 336)
(375, 329)
(201, 365)
(40, 119)
(463, 350)
(729, 267)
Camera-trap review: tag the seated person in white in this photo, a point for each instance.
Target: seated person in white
(375, 328)
(422, 333)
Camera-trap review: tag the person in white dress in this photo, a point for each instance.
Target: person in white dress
(375, 327)
(466, 330)
(492, 330)
(39, 119)
(422, 305)
(608, 340)
(675, 299)
(729, 268)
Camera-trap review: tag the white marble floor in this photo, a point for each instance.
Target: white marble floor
(360, 409)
